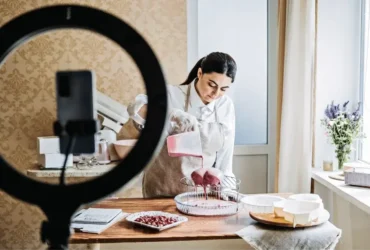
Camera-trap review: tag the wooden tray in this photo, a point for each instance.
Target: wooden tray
(338, 177)
(270, 219)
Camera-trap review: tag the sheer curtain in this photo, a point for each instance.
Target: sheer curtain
(297, 35)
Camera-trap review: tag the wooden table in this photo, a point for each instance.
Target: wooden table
(197, 228)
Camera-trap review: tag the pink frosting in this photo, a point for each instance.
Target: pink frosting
(197, 176)
(212, 176)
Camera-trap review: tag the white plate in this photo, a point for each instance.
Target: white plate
(280, 222)
(133, 217)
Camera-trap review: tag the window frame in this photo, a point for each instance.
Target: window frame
(251, 150)
(364, 5)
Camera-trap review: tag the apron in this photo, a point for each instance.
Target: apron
(162, 178)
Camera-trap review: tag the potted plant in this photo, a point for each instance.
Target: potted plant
(342, 128)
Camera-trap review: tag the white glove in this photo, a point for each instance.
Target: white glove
(181, 122)
(133, 108)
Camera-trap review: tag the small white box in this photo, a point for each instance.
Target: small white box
(357, 177)
(54, 160)
(48, 145)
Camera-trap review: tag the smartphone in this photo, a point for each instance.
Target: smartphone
(76, 95)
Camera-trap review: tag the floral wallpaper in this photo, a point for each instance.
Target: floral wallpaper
(27, 85)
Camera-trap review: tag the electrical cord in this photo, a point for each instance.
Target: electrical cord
(70, 146)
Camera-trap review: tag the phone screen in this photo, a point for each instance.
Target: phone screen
(76, 101)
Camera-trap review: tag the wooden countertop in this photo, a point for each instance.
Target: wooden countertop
(197, 228)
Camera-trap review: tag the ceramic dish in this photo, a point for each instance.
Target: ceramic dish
(279, 209)
(260, 203)
(301, 212)
(307, 197)
(179, 219)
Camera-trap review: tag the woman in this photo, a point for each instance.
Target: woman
(197, 104)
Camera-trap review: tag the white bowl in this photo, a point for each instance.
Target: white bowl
(260, 203)
(123, 147)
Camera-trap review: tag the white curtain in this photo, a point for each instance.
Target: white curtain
(295, 154)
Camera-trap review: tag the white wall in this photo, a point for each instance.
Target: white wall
(192, 22)
(338, 61)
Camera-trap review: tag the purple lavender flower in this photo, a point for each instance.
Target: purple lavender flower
(346, 114)
(333, 111)
(345, 105)
(356, 114)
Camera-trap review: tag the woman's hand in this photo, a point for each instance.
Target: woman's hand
(181, 122)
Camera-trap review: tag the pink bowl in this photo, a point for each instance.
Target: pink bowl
(123, 147)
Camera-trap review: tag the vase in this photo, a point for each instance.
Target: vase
(342, 153)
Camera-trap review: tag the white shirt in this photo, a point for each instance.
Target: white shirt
(216, 125)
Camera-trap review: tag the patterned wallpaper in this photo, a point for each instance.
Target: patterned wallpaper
(27, 87)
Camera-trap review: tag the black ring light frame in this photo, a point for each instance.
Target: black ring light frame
(60, 202)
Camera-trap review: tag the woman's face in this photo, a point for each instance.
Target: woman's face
(212, 86)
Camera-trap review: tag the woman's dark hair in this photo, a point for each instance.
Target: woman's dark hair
(217, 62)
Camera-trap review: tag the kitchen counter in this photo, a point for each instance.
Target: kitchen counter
(74, 175)
(93, 171)
(349, 207)
(358, 196)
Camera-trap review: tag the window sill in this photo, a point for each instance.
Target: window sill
(358, 196)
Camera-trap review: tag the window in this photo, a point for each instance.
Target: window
(364, 147)
(240, 29)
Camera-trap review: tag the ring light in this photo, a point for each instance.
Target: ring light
(60, 202)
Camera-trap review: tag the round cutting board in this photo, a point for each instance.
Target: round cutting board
(338, 177)
(270, 219)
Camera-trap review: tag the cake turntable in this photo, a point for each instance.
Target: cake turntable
(215, 200)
